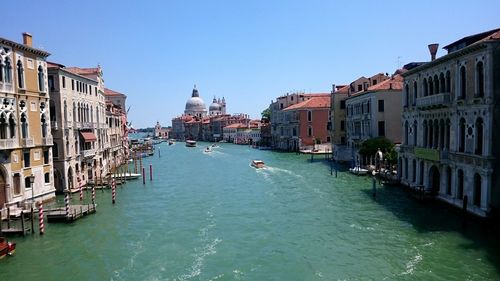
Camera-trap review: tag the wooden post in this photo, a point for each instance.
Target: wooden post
(143, 176)
(32, 220)
(22, 223)
(150, 172)
(8, 217)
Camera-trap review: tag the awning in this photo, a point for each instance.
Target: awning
(88, 136)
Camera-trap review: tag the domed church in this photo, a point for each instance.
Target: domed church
(218, 107)
(195, 106)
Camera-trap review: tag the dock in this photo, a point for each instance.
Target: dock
(75, 212)
(324, 152)
(20, 225)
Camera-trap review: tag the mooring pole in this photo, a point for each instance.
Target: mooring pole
(143, 176)
(374, 186)
(40, 218)
(150, 172)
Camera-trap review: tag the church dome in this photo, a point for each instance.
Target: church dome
(195, 104)
(214, 107)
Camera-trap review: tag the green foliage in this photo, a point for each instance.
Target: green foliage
(371, 146)
(266, 113)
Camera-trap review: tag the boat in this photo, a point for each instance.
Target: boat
(126, 176)
(258, 164)
(214, 145)
(208, 149)
(358, 171)
(191, 143)
(6, 247)
(170, 142)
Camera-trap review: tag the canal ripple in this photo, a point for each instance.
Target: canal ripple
(211, 216)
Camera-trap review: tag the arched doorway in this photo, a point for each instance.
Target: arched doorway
(70, 178)
(3, 189)
(58, 181)
(434, 180)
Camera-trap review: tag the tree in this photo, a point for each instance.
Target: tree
(371, 146)
(266, 113)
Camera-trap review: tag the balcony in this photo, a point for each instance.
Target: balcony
(48, 141)
(76, 125)
(87, 125)
(434, 101)
(8, 144)
(6, 88)
(88, 153)
(28, 142)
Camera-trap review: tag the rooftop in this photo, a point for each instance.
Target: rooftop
(315, 102)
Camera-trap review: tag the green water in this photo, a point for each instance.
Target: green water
(213, 217)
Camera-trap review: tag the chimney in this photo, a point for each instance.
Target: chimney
(333, 88)
(433, 50)
(27, 39)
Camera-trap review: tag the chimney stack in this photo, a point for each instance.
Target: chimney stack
(27, 39)
(433, 50)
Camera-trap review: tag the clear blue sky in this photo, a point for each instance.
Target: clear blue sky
(248, 51)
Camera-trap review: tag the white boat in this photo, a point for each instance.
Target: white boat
(127, 176)
(207, 149)
(258, 164)
(191, 143)
(358, 171)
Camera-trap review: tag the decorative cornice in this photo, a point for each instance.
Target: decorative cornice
(24, 47)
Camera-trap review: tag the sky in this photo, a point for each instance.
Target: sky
(249, 52)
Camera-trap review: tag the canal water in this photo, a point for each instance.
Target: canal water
(214, 217)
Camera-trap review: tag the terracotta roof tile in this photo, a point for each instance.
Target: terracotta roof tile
(395, 83)
(108, 92)
(312, 103)
(83, 71)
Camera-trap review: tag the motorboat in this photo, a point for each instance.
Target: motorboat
(191, 143)
(208, 149)
(358, 171)
(214, 145)
(258, 164)
(170, 142)
(6, 247)
(126, 176)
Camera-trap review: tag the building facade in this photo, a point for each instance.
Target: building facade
(26, 170)
(450, 124)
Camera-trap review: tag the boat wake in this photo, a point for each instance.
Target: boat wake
(137, 248)
(200, 254)
(412, 264)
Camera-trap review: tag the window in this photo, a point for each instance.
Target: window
(477, 190)
(360, 88)
(309, 131)
(7, 71)
(407, 95)
(381, 128)
(47, 177)
(342, 140)
(479, 136)
(479, 80)
(309, 116)
(41, 79)
(381, 106)
(20, 74)
(64, 82)
(55, 150)
(294, 131)
(463, 83)
(374, 81)
(460, 184)
(51, 82)
(46, 157)
(26, 157)
(24, 126)
(327, 139)
(461, 138)
(415, 93)
(291, 98)
(27, 183)
(342, 125)
(342, 104)
(17, 183)
(415, 127)
(281, 106)
(72, 84)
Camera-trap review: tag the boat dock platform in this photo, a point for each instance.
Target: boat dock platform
(325, 152)
(20, 225)
(75, 212)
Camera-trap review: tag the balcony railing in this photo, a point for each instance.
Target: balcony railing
(76, 125)
(28, 142)
(47, 141)
(6, 87)
(8, 144)
(434, 101)
(88, 153)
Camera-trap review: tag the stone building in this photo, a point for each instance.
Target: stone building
(450, 124)
(78, 126)
(26, 170)
(374, 112)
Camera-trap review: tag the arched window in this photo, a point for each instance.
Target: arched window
(407, 95)
(425, 88)
(309, 131)
(448, 181)
(414, 169)
(461, 136)
(448, 82)
(431, 86)
(12, 126)
(3, 126)
(435, 142)
(441, 133)
(41, 79)
(1, 69)
(309, 116)
(24, 126)
(406, 169)
(479, 80)
(460, 184)
(463, 83)
(421, 180)
(425, 132)
(479, 136)
(436, 84)
(74, 112)
(406, 132)
(65, 112)
(477, 190)
(415, 93)
(20, 74)
(442, 83)
(44, 126)
(415, 125)
(7, 71)
(17, 183)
